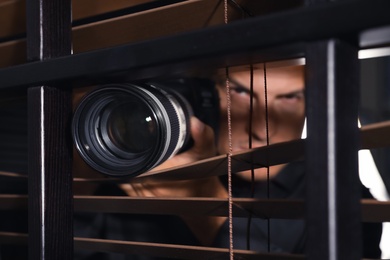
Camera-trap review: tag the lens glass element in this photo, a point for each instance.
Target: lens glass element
(131, 127)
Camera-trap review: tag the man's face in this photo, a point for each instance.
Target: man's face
(285, 102)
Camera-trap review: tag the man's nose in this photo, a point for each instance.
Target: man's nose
(261, 126)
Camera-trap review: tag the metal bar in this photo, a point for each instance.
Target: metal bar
(232, 44)
(333, 188)
(49, 107)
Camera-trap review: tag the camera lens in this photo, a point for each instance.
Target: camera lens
(121, 130)
(125, 130)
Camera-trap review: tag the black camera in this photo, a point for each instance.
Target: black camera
(127, 129)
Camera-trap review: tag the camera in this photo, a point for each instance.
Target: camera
(124, 130)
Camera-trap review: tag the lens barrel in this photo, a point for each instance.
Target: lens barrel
(127, 129)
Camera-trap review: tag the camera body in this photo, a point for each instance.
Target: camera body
(202, 97)
(124, 130)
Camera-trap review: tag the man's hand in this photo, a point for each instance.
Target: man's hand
(203, 147)
(204, 228)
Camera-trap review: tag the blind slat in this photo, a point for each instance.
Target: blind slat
(12, 238)
(375, 135)
(121, 30)
(372, 210)
(176, 251)
(155, 249)
(372, 136)
(177, 53)
(215, 166)
(261, 208)
(12, 12)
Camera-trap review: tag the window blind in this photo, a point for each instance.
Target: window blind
(131, 57)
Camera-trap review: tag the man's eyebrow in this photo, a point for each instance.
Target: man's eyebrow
(232, 81)
(238, 84)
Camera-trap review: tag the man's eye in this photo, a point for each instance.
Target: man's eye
(295, 95)
(289, 96)
(240, 90)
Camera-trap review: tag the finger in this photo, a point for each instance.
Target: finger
(204, 140)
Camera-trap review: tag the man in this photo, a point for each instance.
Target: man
(283, 120)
